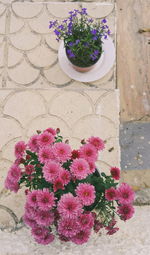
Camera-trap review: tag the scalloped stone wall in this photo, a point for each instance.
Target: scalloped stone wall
(36, 94)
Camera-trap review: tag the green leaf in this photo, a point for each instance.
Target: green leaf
(58, 141)
(103, 174)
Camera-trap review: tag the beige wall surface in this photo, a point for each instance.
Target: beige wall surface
(36, 94)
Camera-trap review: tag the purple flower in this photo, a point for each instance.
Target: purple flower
(104, 21)
(96, 52)
(84, 12)
(86, 44)
(70, 26)
(105, 36)
(94, 38)
(74, 15)
(56, 32)
(65, 21)
(93, 57)
(52, 23)
(71, 12)
(108, 32)
(61, 27)
(75, 10)
(77, 41)
(93, 32)
(90, 20)
(70, 44)
(70, 54)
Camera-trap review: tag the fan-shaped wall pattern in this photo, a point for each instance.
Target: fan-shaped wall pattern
(72, 113)
(98, 10)
(42, 56)
(36, 94)
(56, 10)
(7, 133)
(24, 106)
(27, 10)
(25, 39)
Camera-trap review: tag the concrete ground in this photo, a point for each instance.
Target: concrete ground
(133, 238)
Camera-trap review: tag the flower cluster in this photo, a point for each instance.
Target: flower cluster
(82, 37)
(66, 195)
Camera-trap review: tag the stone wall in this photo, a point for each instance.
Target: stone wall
(36, 94)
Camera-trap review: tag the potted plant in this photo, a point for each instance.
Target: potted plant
(66, 196)
(83, 38)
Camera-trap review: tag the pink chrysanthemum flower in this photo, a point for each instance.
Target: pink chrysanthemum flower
(56, 216)
(29, 169)
(32, 198)
(86, 193)
(18, 161)
(88, 152)
(97, 226)
(97, 143)
(33, 143)
(112, 231)
(11, 185)
(125, 194)
(45, 139)
(46, 199)
(46, 239)
(51, 170)
(31, 211)
(86, 221)
(115, 173)
(81, 237)
(58, 184)
(20, 149)
(39, 231)
(14, 173)
(51, 131)
(68, 227)
(111, 194)
(44, 218)
(126, 211)
(69, 206)
(45, 154)
(62, 151)
(29, 221)
(75, 154)
(80, 168)
(65, 176)
(92, 167)
(63, 238)
(112, 223)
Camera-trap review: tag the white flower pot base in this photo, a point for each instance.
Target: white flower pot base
(101, 68)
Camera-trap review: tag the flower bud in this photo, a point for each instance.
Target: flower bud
(83, 141)
(57, 130)
(38, 132)
(28, 157)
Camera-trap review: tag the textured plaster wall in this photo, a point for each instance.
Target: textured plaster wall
(36, 94)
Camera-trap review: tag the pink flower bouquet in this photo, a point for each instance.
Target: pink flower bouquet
(66, 196)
